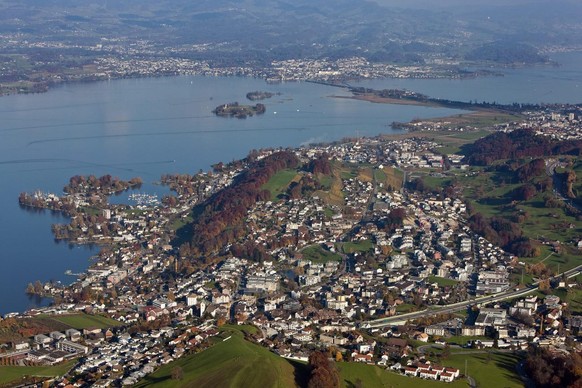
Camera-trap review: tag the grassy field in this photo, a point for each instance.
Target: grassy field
(491, 196)
(452, 141)
(317, 254)
(83, 321)
(12, 374)
(359, 246)
(366, 174)
(443, 282)
(372, 376)
(389, 176)
(478, 119)
(571, 296)
(488, 370)
(279, 183)
(406, 308)
(332, 191)
(181, 222)
(232, 362)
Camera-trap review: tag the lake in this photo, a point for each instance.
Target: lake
(148, 127)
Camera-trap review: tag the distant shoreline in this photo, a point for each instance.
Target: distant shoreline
(370, 97)
(475, 116)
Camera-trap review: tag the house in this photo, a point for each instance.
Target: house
(357, 357)
(21, 345)
(453, 371)
(396, 347)
(473, 331)
(434, 330)
(525, 332)
(335, 340)
(72, 347)
(491, 317)
(411, 371)
(429, 374)
(423, 337)
(57, 335)
(42, 340)
(91, 330)
(448, 377)
(365, 348)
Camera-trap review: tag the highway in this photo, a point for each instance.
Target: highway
(451, 308)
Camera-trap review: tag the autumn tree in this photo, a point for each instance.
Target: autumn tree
(323, 371)
(177, 373)
(551, 369)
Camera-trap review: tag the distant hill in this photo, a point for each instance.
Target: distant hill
(506, 52)
(281, 29)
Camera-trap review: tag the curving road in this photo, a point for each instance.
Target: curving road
(451, 308)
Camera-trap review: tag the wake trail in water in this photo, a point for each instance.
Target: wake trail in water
(51, 107)
(103, 122)
(164, 133)
(126, 166)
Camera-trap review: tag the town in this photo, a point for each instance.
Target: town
(347, 253)
(114, 58)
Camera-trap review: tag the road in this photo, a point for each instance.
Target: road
(451, 308)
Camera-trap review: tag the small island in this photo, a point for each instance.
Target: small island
(234, 109)
(256, 95)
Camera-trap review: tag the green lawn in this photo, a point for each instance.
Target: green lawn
(436, 183)
(325, 181)
(356, 246)
(83, 321)
(488, 370)
(571, 296)
(279, 183)
(389, 176)
(232, 362)
(379, 175)
(443, 282)
(489, 195)
(10, 374)
(317, 254)
(373, 376)
(406, 308)
(180, 222)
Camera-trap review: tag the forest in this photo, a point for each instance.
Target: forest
(549, 368)
(218, 221)
(520, 143)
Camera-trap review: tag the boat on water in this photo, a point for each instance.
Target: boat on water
(144, 199)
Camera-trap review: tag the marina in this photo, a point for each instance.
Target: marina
(143, 199)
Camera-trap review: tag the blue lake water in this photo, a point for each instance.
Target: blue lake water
(148, 127)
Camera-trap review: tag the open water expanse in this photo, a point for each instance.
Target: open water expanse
(148, 127)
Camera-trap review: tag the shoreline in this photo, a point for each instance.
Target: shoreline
(477, 116)
(370, 97)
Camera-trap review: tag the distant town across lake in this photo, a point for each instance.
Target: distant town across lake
(148, 127)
